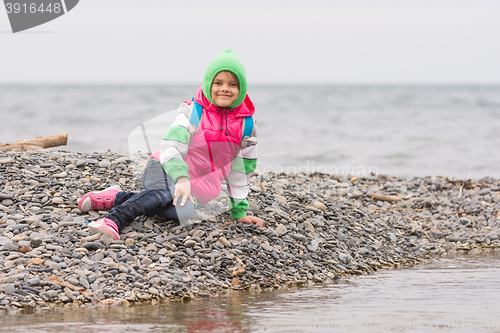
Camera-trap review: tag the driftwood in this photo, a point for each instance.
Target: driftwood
(381, 197)
(37, 143)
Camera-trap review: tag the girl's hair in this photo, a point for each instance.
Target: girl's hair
(232, 75)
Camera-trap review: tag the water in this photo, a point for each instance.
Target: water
(399, 130)
(459, 294)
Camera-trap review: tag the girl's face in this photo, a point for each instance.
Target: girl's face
(225, 89)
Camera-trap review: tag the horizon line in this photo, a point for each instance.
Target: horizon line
(111, 83)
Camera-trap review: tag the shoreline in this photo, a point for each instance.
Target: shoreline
(319, 228)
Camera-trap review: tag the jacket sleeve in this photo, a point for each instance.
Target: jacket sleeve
(238, 180)
(174, 145)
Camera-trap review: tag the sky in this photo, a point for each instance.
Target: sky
(279, 42)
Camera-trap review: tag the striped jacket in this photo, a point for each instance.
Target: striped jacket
(212, 151)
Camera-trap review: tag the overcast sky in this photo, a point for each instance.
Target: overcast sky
(314, 41)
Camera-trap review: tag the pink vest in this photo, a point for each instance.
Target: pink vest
(211, 150)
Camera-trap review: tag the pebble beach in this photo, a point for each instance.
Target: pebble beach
(318, 228)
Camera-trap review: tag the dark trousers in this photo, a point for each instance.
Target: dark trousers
(157, 199)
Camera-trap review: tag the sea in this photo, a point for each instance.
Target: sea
(359, 130)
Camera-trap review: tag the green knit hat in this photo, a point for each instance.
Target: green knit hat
(225, 61)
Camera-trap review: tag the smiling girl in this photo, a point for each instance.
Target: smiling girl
(214, 138)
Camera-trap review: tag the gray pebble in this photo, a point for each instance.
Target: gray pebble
(146, 261)
(9, 289)
(92, 246)
(313, 246)
(5, 195)
(10, 246)
(19, 226)
(73, 281)
(299, 237)
(281, 229)
(104, 164)
(7, 202)
(84, 283)
(267, 247)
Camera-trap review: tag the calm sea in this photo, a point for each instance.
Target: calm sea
(399, 130)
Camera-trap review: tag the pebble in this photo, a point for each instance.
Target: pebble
(299, 237)
(37, 261)
(9, 279)
(34, 281)
(363, 251)
(224, 241)
(6, 160)
(10, 246)
(7, 202)
(255, 188)
(13, 256)
(18, 226)
(345, 258)
(308, 226)
(84, 282)
(100, 256)
(319, 205)
(5, 195)
(9, 289)
(314, 209)
(281, 200)
(198, 233)
(317, 228)
(73, 281)
(92, 246)
(104, 164)
(267, 247)
(68, 292)
(313, 246)
(281, 229)
(146, 261)
(253, 207)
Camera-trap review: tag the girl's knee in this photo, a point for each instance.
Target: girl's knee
(184, 212)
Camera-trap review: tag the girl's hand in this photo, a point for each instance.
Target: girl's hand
(251, 220)
(182, 191)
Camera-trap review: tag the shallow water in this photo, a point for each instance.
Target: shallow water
(459, 294)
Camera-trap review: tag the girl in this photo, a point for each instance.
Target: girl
(204, 146)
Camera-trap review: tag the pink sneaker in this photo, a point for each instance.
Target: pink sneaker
(106, 227)
(101, 200)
